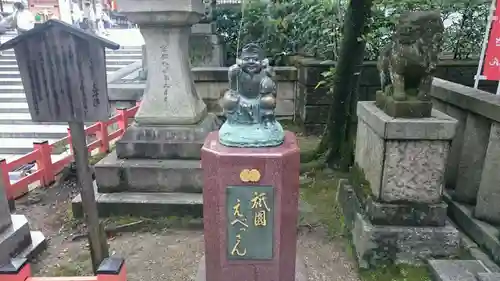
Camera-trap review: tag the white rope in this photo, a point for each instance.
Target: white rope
(243, 4)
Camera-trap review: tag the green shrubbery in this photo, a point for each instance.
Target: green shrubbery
(314, 27)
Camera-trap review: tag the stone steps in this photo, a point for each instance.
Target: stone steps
(461, 270)
(33, 131)
(14, 78)
(18, 241)
(137, 175)
(17, 131)
(16, 107)
(112, 61)
(14, 74)
(109, 67)
(130, 54)
(144, 204)
(18, 145)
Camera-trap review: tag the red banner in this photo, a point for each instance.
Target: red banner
(491, 66)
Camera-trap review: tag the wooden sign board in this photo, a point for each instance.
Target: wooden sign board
(63, 70)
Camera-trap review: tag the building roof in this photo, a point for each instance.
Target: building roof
(53, 23)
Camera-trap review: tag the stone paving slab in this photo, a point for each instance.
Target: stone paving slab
(456, 270)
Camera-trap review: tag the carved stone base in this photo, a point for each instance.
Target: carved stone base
(301, 273)
(256, 135)
(411, 108)
(165, 142)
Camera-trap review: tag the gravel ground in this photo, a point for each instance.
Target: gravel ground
(166, 254)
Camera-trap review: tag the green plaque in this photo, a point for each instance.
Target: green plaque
(250, 222)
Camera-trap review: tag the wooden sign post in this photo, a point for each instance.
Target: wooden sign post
(63, 70)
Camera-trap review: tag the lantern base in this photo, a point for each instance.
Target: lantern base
(300, 271)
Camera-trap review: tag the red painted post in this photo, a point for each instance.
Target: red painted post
(112, 269)
(4, 176)
(103, 137)
(122, 118)
(16, 270)
(70, 141)
(44, 163)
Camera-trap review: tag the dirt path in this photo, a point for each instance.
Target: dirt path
(166, 254)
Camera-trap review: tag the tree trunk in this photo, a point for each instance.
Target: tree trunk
(338, 138)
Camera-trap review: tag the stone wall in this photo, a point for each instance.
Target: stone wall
(472, 174)
(313, 102)
(210, 83)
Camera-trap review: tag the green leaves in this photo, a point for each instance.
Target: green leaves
(314, 27)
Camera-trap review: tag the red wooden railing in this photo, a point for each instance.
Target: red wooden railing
(46, 170)
(111, 269)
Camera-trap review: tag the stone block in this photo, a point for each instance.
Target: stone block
(455, 270)
(157, 204)
(380, 213)
(4, 208)
(315, 114)
(301, 273)
(38, 244)
(14, 238)
(483, 233)
(403, 159)
(312, 95)
(456, 145)
(204, 28)
(482, 276)
(410, 108)
(376, 245)
(470, 168)
(488, 197)
(205, 50)
(275, 170)
(143, 175)
(165, 142)
(438, 127)
(349, 203)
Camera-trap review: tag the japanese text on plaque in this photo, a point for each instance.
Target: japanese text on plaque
(250, 222)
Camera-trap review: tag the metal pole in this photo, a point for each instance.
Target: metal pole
(97, 238)
(485, 43)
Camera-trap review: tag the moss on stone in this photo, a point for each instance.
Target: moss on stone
(200, 49)
(312, 166)
(320, 193)
(143, 224)
(360, 185)
(396, 273)
(307, 144)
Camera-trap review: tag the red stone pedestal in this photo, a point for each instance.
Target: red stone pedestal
(268, 249)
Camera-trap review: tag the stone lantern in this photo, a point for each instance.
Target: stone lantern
(155, 166)
(170, 96)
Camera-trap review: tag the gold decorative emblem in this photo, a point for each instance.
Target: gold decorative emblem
(250, 175)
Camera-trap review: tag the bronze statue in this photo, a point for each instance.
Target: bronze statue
(250, 102)
(407, 64)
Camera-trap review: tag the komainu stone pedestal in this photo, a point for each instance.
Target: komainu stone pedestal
(16, 239)
(403, 216)
(250, 212)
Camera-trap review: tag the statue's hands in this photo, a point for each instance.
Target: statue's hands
(229, 101)
(234, 69)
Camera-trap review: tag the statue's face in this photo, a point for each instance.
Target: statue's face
(251, 63)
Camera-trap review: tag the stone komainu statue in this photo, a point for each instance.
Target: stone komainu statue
(407, 64)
